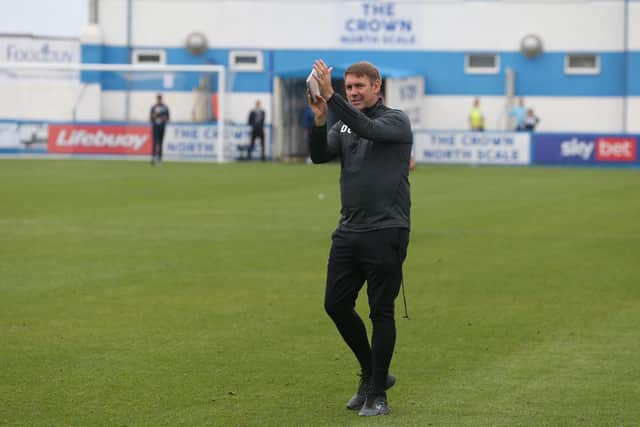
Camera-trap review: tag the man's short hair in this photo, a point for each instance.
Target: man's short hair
(364, 68)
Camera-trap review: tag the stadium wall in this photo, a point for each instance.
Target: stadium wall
(433, 44)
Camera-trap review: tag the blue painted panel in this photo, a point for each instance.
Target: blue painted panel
(91, 54)
(633, 68)
(243, 82)
(443, 71)
(445, 75)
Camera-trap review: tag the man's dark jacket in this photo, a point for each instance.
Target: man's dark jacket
(374, 147)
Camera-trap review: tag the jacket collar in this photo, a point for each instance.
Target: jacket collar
(371, 111)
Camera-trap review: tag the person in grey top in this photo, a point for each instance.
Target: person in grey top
(373, 143)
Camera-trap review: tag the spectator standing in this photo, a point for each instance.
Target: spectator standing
(530, 121)
(256, 121)
(519, 113)
(159, 116)
(476, 117)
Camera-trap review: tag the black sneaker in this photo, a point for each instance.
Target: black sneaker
(375, 405)
(366, 384)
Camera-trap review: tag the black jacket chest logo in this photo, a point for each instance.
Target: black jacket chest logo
(345, 129)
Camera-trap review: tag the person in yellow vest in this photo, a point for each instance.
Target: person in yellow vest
(476, 118)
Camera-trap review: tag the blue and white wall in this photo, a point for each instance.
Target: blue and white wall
(430, 39)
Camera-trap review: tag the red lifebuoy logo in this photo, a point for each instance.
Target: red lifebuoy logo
(99, 139)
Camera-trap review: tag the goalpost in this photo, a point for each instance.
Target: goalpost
(121, 93)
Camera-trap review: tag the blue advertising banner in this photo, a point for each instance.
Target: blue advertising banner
(584, 149)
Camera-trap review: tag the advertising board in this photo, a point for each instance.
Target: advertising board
(23, 138)
(199, 142)
(99, 139)
(584, 149)
(490, 148)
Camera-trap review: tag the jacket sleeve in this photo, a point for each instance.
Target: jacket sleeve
(324, 146)
(392, 127)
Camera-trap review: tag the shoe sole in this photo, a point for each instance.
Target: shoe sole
(373, 413)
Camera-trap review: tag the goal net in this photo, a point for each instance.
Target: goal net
(104, 109)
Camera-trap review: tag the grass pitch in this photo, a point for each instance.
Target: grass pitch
(191, 294)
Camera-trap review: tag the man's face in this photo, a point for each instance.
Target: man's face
(361, 91)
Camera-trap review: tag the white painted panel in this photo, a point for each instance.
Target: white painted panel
(440, 112)
(579, 114)
(240, 104)
(112, 19)
(634, 28)
(87, 106)
(112, 105)
(180, 105)
(633, 114)
(452, 112)
(38, 99)
(501, 25)
(232, 24)
(575, 114)
(562, 25)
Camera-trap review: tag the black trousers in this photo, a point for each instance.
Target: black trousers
(158, 137)
(375, 257)
(256, 134)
